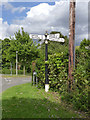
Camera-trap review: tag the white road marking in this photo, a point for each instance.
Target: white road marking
(7, 80)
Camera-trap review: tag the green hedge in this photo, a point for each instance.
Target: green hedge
(57, 66)
(8, 71)
(58, 78)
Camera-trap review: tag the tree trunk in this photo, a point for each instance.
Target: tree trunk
(11, 68)
(24, 70)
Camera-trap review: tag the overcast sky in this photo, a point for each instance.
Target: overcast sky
(37, 17)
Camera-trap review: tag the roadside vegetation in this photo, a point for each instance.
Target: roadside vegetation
(27, 101)
(29, 52)
(11, 76)
(58, 73)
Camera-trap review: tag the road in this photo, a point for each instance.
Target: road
(7, 82)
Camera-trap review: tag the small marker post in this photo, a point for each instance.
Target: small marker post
(16, 62)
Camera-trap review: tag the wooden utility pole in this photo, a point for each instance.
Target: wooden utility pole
(71, 43)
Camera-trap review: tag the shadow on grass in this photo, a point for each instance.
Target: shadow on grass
(33, 108)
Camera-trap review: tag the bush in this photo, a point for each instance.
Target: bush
(8, 71)
(79, 96)
(79, 100)
(57, 69)
(58, 76)
(20, 71)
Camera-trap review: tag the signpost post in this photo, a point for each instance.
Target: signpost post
(46, 38)
(16, 62)
(46, 65)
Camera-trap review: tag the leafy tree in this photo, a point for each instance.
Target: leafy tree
(79, 96)
(0, 55)
(27, 50)
(55, 47)
(5, 47)
(84, 44)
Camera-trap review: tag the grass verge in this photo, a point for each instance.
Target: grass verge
(26, 101)
(6, 76)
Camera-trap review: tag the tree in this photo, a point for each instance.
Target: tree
(0, 55)
(27, 50)
(83, 58)
(5, 47)
(56, 47)
(85, 44)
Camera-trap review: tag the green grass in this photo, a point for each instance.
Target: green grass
(26, 101)
(15, 75)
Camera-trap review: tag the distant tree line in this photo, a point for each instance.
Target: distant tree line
(27, 52)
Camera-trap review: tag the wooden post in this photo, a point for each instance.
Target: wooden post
(16, 62)
(24, 70)
(33, 69)
(71, 42)
(33, 66)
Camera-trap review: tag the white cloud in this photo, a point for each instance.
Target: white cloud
(5, 1)
(8, 6)
(42, 9)
(3, 29)
(7, 30)
(47, 17)
(22, 9)
(19, 9)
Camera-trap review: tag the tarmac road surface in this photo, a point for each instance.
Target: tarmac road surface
(7, 82)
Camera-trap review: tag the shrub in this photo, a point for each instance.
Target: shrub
(58, 76)
(8, 71)
(57, 69)
(20, 71)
